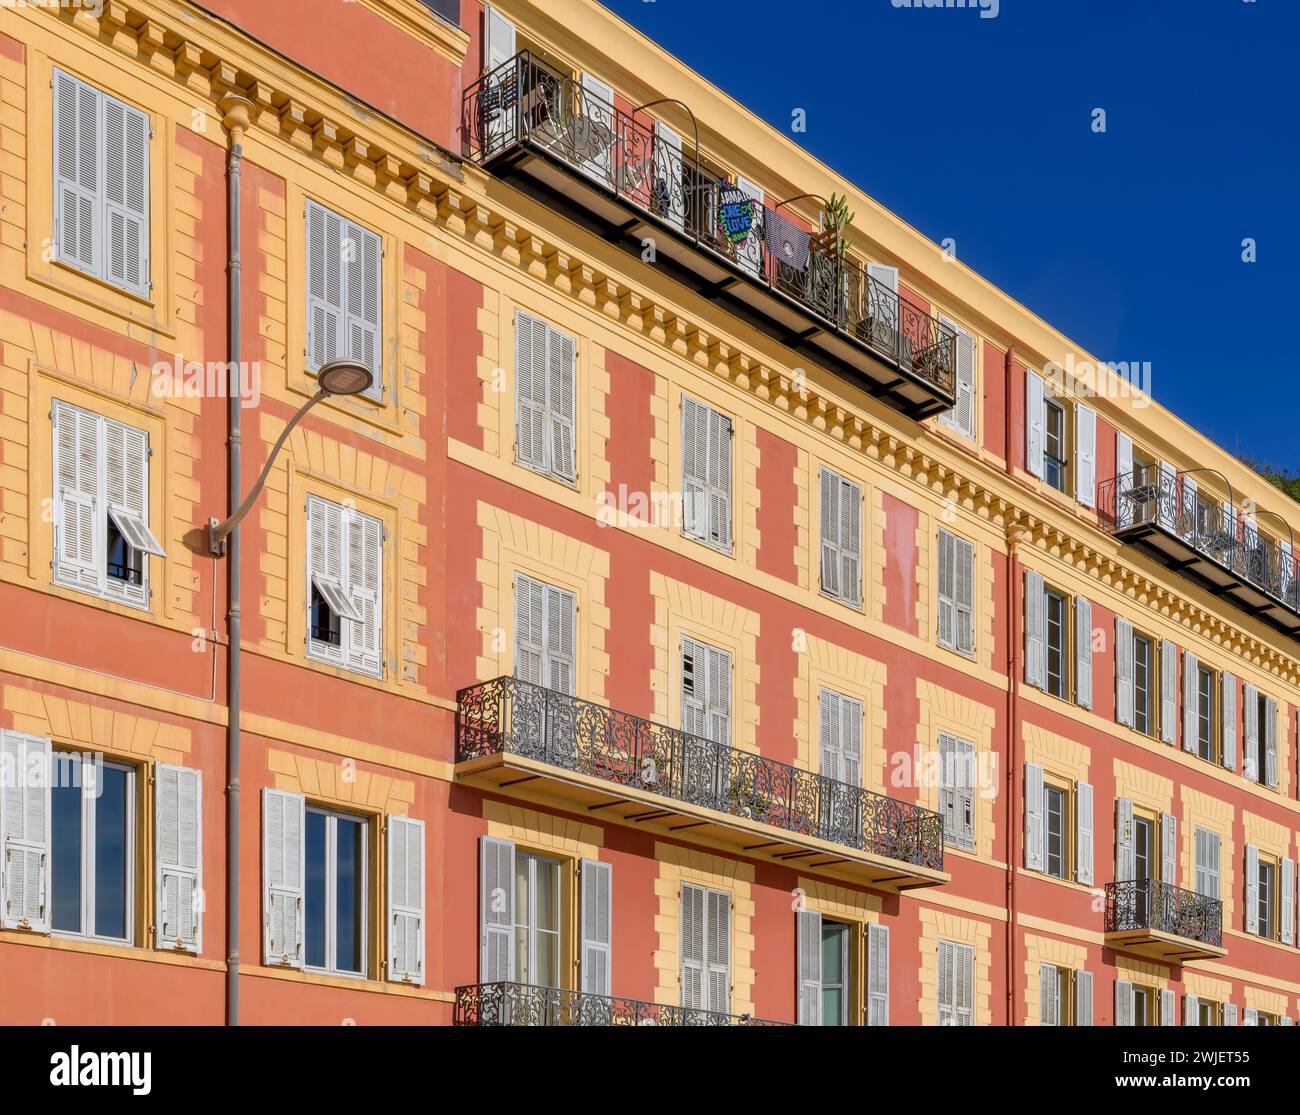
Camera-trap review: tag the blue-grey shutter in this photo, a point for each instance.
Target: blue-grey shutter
(1083, 652)
(284, 851)
(597, 926)
(1084, 833)
(808, 932)
(126, 196)
(406, 900)
(877, 974)
(1125, 854)
(1123, 1003)
(1191, 700)
(25, 832)
(1228, 708)
(1250, 733)
(1168, 692)
(1270, 742)
(496, 910)
(78, 174)
(1169, 849)
(1288, 902)
(1083, 998)
(1035, 830)
(1252, 889)
(1125, 712)
(1035, 631)
(178, 873)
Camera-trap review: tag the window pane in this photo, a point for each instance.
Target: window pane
(112, 810)
(349, 839)
(547, 946)
(314, 892)
(548, 895)
(65, 853)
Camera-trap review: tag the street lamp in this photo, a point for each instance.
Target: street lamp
(337, 378)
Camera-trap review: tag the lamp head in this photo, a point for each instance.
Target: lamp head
(344, 377)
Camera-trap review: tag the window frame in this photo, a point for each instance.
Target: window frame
(551, 411)
(1059, 465)
(1053, 788)
(349, 512)
(1146, 712)
(365, 822)
(1267, 899)
(1207, 714)
(528, 926)
(88, 857)
(847, 932)
(1064, 652)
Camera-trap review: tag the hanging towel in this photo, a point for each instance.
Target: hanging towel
(786, 240)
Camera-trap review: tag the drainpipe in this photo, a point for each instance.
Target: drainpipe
(235, 116)
(1014, 536)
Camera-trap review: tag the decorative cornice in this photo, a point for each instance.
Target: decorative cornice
(440, 188)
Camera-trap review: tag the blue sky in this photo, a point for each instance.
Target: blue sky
(1129, 242)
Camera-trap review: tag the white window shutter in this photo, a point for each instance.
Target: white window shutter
(1285, 1020)
(326, 286)
(851, 714)
(1228, 711)
(126, 484)
(850, 535)
(1083, 652)
(79, 533)
(1249, 1016)
(1168, 692)
(1125, 712)
(1083, 806)
(718, 719)
(496, 963)
(830, 492)
(1270, 742)
(126, 196)
(78, 173)
(1035, 630)
(283, 870)
(1124, 510)
(1191, 1010)
(829, 725)
(877, 974)
(365, 584)
(961, 417)
(964, 754)
(1125, 853)
(964, 977)
(964, 582)
(695, 470)
(693, 947)
(718, 951)
(25, 832)
(1288, 902)
(326, 541)
(1252, 889)
(945, 1000)
(406, 899)
(1035, 424)
(1191, 700)
(1169, 849)
(1048, 983)
(720, 433)
(1207, 863)
(1085, 445)
(1229, 1014)
(532, 349)
(1168, 1007)
(562, 403)
(947, 591)
(597, 926)
(695, 687)
(808, 931)
(1035, 829)
(1123, 1003)
(560, 648)
(363, 323)
(1250, 733)
(1083, 998)
(178, 833)
(530, 630)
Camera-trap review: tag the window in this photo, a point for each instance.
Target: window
(835, 974)
(92, 852)
(1143, 1009)
(1270, 896)
(334, 898)
(1058, 677)
(1208, 1012)
(1205, 717)
(706, 691)
(1058, 847)
(1266, 897)
(345, 551)
(956, 594)
(841, 538)
(101, 506)
(961, 418)
(956, 988)
(546, 620)
(1058, 825)
(344, 284)
(706, 949)
(1207, 862)
(1054, 460)
(537, 920)
(706, 475)
(101, 185)
(546, 371)
(1064, 996)
(1260, 737)
(1143, 671)
(957, 790)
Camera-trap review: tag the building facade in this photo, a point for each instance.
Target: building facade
(721, 608)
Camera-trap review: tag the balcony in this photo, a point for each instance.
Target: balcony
(608, 763)
(1163, 922)
(1161, 512)
(518, 1004)
(611, 172)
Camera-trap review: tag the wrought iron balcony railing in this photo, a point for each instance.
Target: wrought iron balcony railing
(1151, 904)
(523, 102)
(1155, 497)
(508, 716)
(519, 1004)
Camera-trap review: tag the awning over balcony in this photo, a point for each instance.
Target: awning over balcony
(1163, 513)
(1149, 918)
(605, 763)
(520, 1004)
(617, 175)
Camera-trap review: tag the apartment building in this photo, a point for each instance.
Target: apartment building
(716, 610)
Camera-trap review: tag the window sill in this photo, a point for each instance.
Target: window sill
(725, 551)
(547, 474)
(345, 983)
(104, 948)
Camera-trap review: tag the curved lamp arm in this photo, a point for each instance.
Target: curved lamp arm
(1232, 499)
(219, 532)
(1281, 520)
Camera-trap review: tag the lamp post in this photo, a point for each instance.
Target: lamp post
(338, 377)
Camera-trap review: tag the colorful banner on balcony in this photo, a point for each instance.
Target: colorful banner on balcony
(735, 213)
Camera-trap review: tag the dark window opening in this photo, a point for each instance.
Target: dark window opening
(1142, 684)
(1056, 640)
(1056, 845)
(124, 563)
(325, 626)
(1054, 447)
